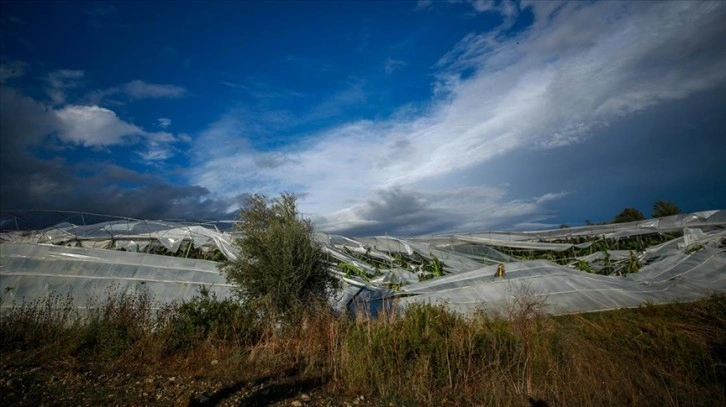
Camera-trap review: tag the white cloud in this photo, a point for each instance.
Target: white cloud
(163, 122)
(156, 151)
(506, 8)
(579, 67)
(161, 137)
(93, 126)
(550, 196)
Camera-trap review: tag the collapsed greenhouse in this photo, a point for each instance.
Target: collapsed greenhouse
(571, 270)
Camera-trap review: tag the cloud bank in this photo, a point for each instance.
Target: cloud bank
(30, 182)
(576, 70)
(545, 106)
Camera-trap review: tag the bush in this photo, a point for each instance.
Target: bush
(281, 270)
(50, 323)
(207, 318)
(119, 323)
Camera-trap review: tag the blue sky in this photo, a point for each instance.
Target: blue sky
(403, 118)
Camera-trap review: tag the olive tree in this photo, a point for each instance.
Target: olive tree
(281, 270)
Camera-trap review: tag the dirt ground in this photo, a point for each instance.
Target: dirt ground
(24, 383)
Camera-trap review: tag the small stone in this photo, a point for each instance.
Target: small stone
(296, 403)
(304, 397)
(172, 379)
(214, 362)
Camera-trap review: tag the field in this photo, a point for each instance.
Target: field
(122, 351)
(627, 314)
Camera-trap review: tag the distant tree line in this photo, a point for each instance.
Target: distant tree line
(660, 209)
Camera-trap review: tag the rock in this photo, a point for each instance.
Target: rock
(296, 403)
(304, 397)
(172, 379)
(214, 362)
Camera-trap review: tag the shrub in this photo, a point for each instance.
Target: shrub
(50, 323)
(119, 323)
(281, 270)
(207, 318)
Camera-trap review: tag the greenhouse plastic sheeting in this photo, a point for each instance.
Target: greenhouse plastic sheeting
(130, 235)
(562, 290)
(31, 271)
(80, 263)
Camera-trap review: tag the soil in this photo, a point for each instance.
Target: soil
(24, 383)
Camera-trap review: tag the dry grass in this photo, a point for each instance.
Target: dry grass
(424, 355)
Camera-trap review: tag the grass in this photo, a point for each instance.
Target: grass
(425, 355)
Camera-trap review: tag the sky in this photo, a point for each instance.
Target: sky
(403, 118)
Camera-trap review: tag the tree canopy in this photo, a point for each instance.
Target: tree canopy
(282, 269)
(665, 208)
(629, 215)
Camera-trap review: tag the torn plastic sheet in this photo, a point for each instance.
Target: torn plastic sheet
(685, 268)
(130, 235)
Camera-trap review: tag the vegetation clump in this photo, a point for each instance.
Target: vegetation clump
(281, 271)
(629, 215)
(423, 355)
(664, 208)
